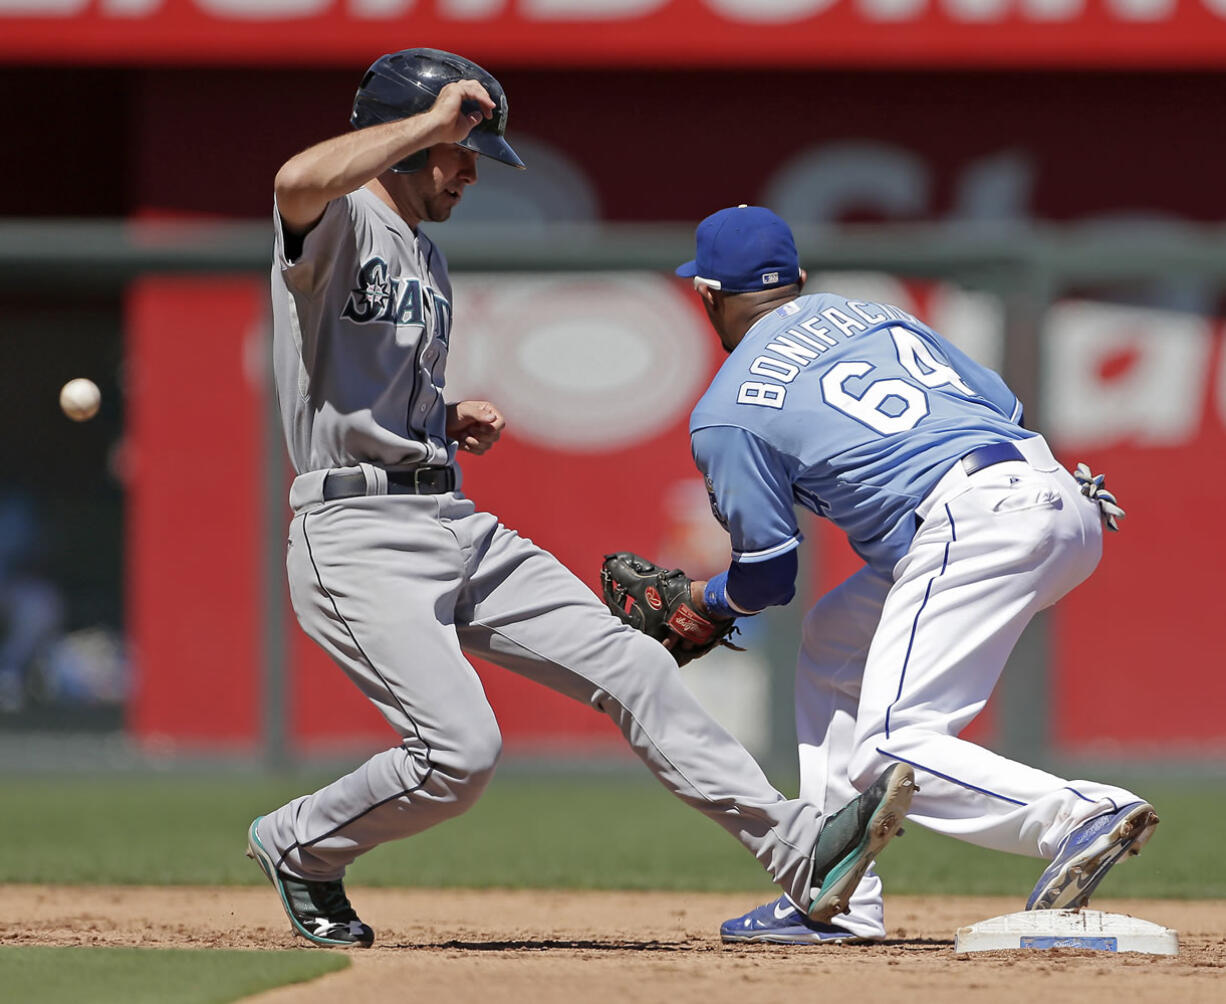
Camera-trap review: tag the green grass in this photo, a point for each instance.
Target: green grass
(153, 976)
(599, 830)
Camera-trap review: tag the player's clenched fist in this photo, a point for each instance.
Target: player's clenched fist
(474, 425)
(459, 107)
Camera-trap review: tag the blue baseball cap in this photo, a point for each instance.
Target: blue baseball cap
(743, 249)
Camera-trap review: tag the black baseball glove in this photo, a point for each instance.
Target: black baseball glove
(656, 601)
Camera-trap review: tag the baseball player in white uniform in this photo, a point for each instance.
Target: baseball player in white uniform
(398, 575)
(967, 525)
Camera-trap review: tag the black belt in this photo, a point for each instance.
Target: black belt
(986, 456)
(418, 481)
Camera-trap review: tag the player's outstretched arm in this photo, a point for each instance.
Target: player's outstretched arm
(474, 425)
(308, 181)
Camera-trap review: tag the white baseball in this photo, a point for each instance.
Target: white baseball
(80, 399)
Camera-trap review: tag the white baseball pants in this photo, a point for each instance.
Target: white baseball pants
(894, 668)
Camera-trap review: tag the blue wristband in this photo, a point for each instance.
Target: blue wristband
(715, 596)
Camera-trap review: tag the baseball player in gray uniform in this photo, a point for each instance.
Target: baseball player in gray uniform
(398, 575)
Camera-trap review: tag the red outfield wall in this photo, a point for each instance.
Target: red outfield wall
(194, 539)
(1136, 634)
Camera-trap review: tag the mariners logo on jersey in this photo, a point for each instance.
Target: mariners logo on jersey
(401, 300)
(378, 296)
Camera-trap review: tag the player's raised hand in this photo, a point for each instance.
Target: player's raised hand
(459, 107)
(474, 425)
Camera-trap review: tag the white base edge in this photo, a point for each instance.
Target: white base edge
(1090, 930)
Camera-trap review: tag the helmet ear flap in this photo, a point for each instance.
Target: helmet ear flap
(413, 163)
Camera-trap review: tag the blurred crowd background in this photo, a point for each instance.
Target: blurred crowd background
(1041, 181)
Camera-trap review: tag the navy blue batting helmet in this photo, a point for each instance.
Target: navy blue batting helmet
(407, 83)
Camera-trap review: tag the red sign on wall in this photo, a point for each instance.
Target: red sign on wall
(552, 33)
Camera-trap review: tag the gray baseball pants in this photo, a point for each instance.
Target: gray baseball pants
(397, 588)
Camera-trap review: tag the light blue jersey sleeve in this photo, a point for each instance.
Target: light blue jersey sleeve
(750, 486)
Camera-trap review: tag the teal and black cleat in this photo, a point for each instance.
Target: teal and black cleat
(317, 911)
(854, 836)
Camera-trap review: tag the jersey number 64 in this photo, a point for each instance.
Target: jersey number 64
(891, 404)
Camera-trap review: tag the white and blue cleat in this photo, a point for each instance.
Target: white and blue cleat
(783, 923)
(1088, 853)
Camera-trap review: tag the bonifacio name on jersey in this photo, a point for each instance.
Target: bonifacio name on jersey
(783, 358)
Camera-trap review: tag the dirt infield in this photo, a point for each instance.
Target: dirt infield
(588, 947)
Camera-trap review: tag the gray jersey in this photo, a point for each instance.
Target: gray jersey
(361, 319)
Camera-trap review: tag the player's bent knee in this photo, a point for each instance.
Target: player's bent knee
(463, 759)
(466, 787)
(472, 757)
